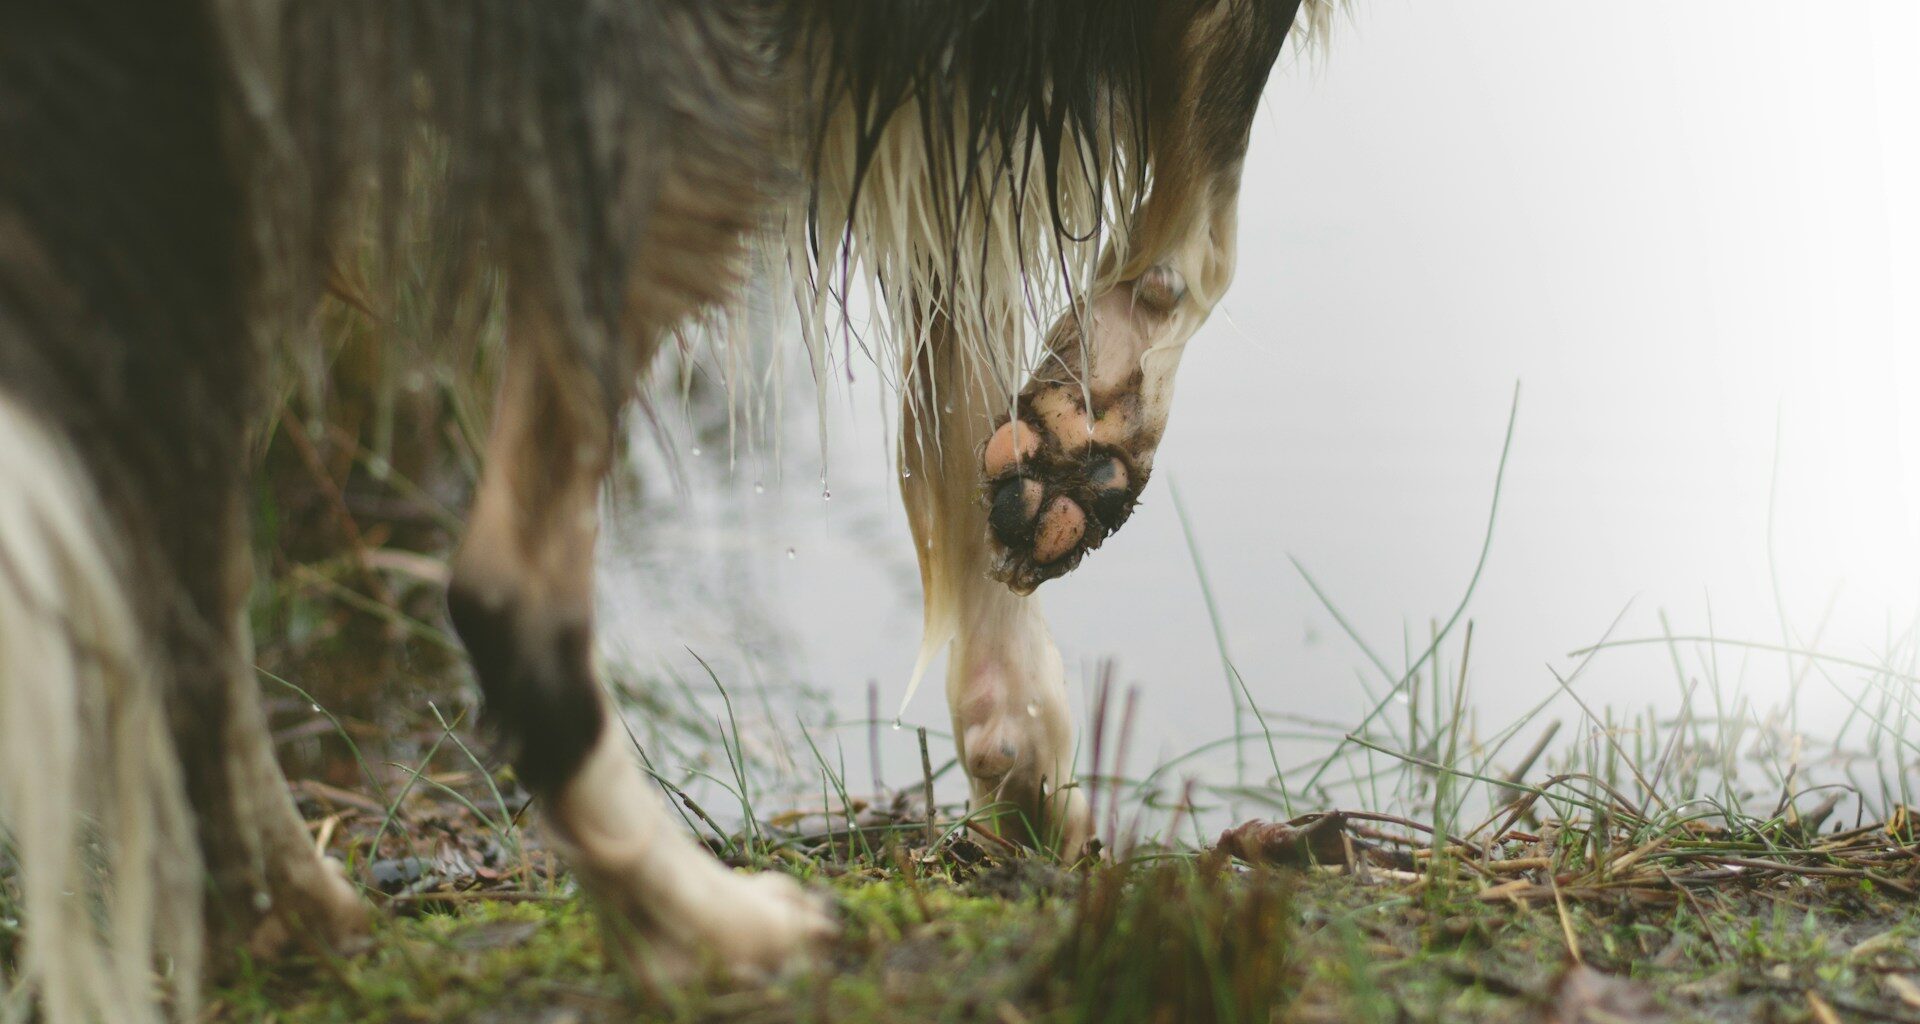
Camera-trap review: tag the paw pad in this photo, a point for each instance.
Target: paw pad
(1054, 490)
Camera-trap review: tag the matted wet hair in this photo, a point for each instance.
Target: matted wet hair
(182, 178)
(979, 161)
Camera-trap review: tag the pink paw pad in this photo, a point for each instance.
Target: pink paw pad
(1012, 444)
(1058, 530)
(1054, 488)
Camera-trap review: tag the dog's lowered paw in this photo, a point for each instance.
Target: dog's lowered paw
(748, 927)
(772, 923)
(315, 908)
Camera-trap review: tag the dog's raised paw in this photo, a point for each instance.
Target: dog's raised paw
(1059, 480)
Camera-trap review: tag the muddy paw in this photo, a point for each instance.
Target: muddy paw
(1067, 468)
(1059, 481)
(775, 924)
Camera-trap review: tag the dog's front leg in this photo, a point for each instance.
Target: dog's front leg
(1006, 687)
(522, 601)
(1064, 470)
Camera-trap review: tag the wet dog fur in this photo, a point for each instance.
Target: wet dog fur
(176, 181)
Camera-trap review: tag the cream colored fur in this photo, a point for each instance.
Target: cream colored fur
(998, 298)
(90, 789)
(961, 339)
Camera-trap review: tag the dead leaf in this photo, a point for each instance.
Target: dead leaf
(1586, 996)
(1904, 988)
(1822, 1013)
(1304, 841)
(338, 797)
(1889, 941)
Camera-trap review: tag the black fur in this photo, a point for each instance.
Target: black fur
(1007, 76)
(538, 689)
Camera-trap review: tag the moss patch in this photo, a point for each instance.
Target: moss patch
(1178, 939)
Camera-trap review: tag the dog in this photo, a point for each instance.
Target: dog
(176, 177)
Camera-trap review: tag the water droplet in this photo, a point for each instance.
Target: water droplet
(896, 725)
(792, 554)
(759, 488)
(1401, 697)
(906, 474)
(826, 495)
(315, 707)
(1033, 709)
(696, 451)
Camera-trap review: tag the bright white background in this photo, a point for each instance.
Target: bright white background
(1684, 228)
